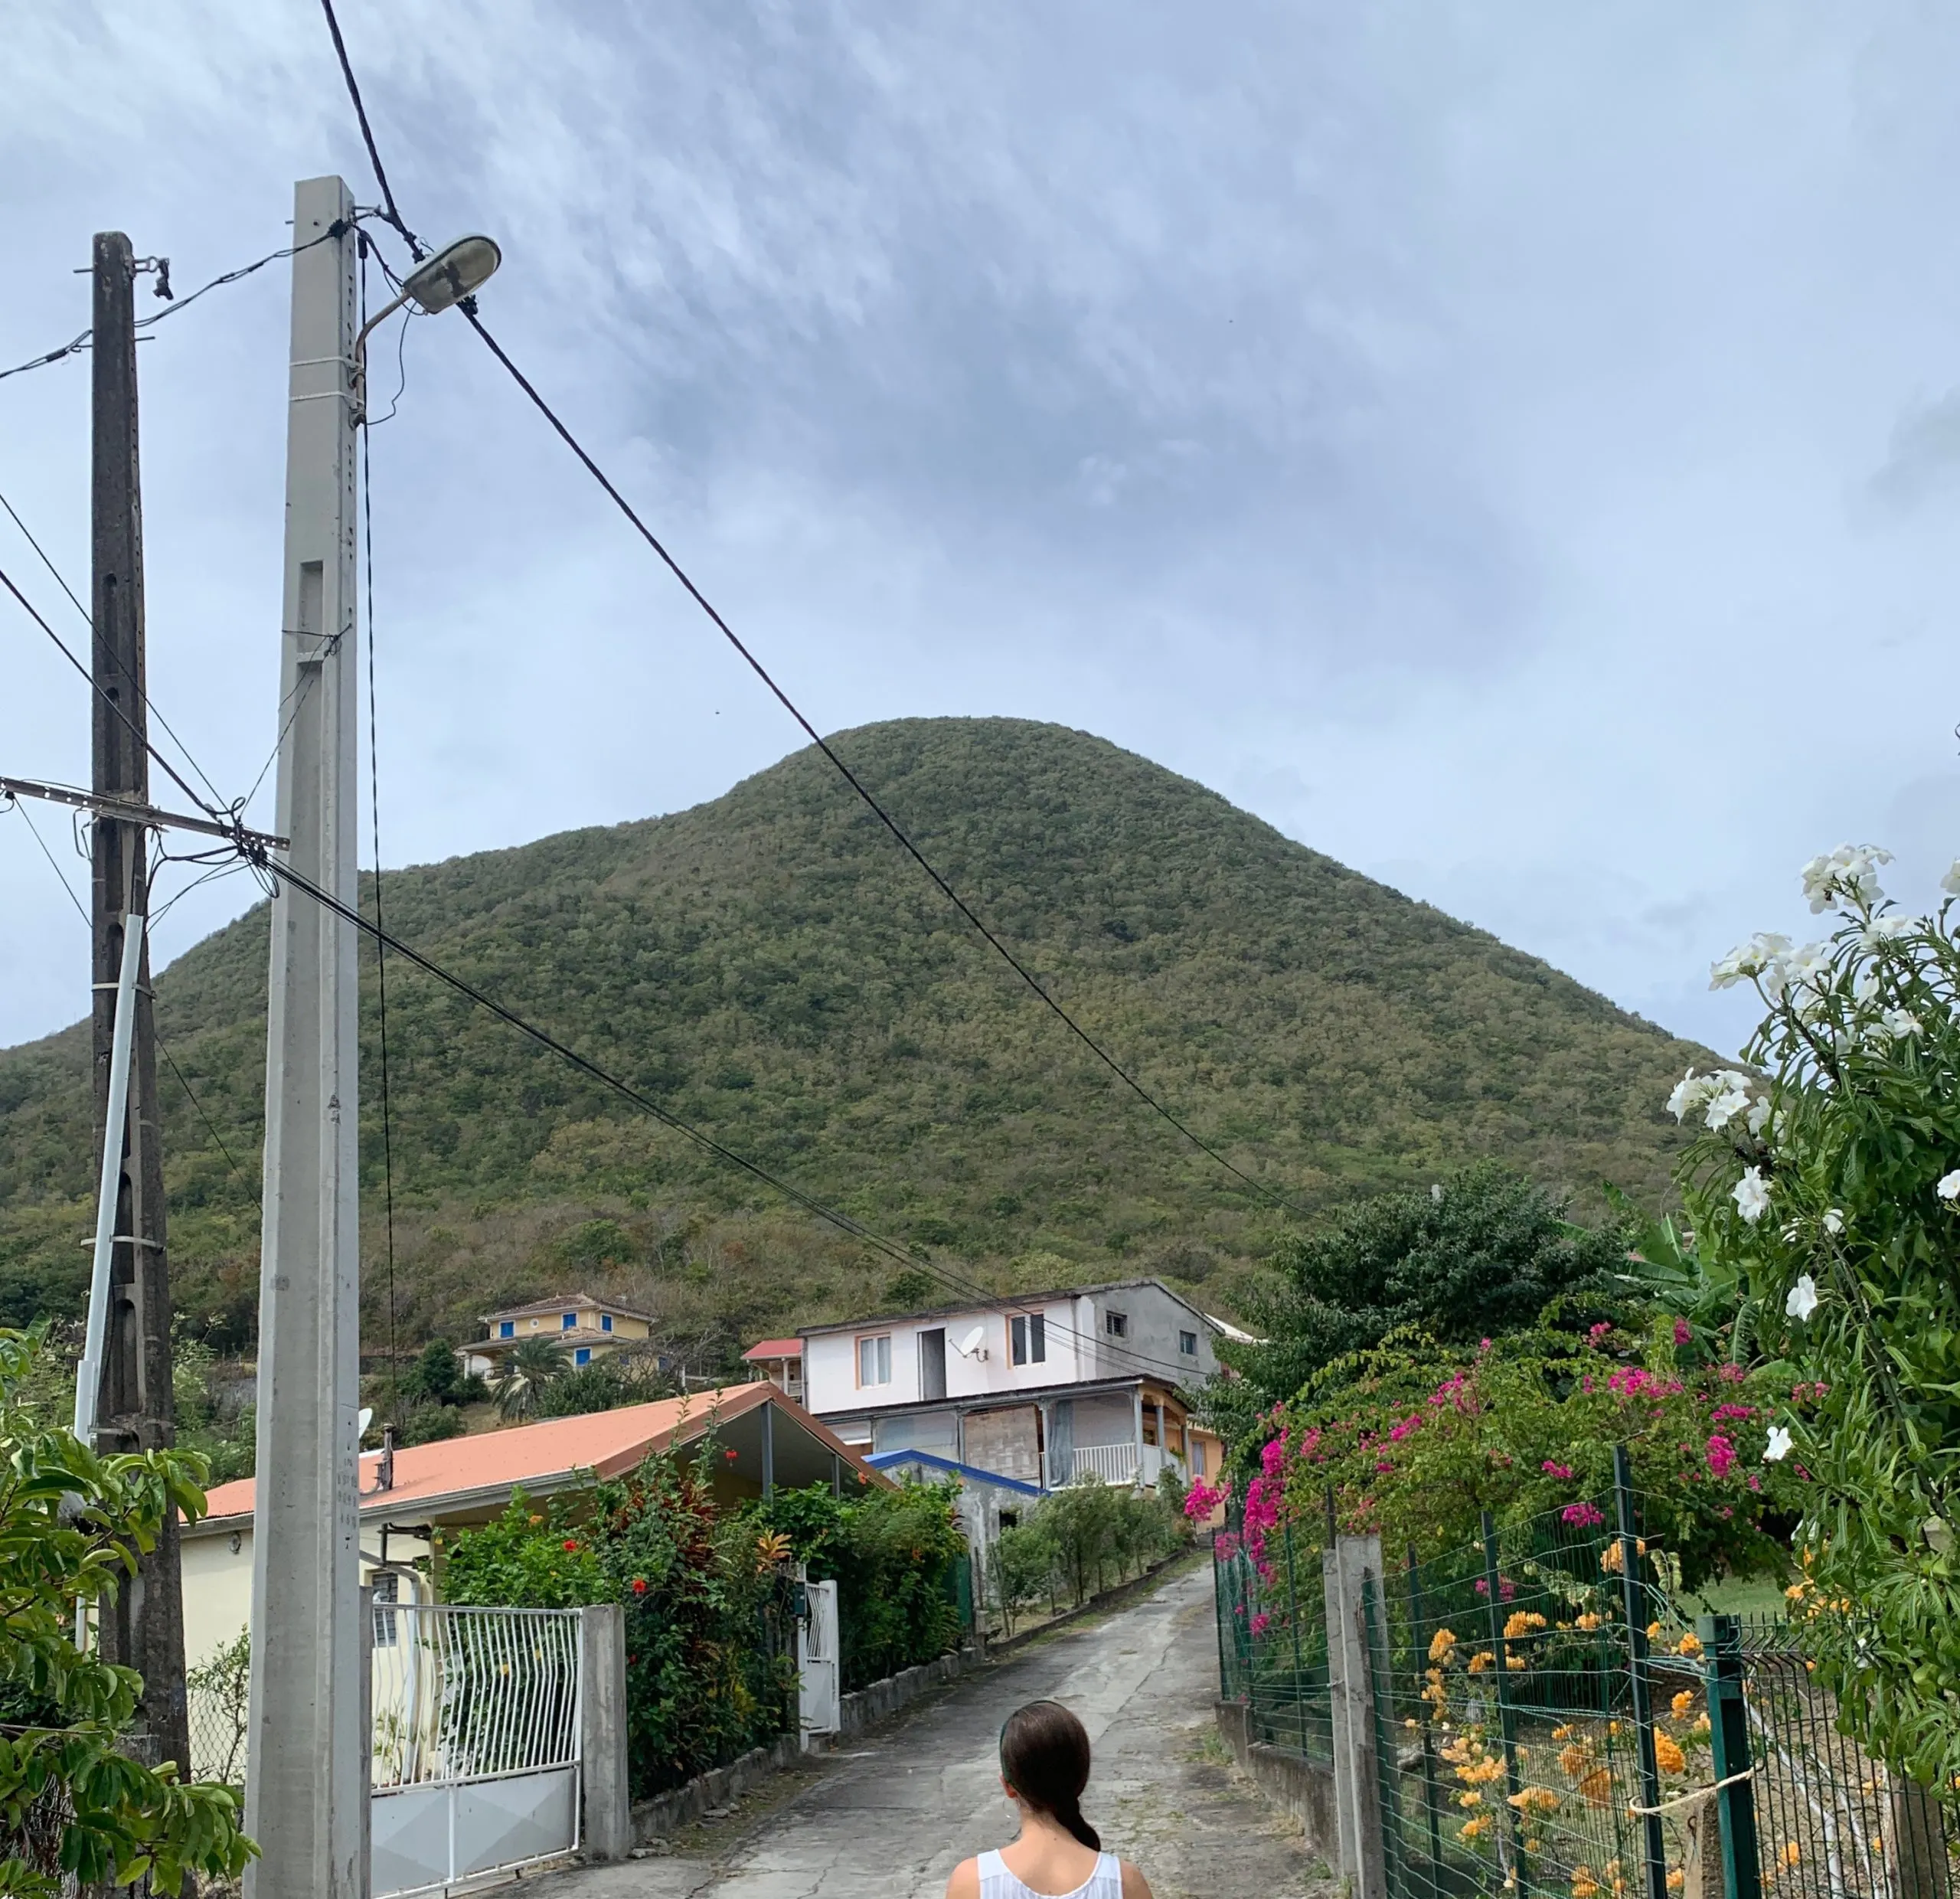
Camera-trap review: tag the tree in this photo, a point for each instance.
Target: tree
(435, 1377)
(1831, 1192)
(531, 1369)
(621, 1377)
(72, 1527)
(1480, 1254)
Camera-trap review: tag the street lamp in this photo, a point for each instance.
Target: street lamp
(456, 271)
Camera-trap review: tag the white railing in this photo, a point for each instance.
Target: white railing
(471, 1694)
(476, 1741)
(1112, 1464)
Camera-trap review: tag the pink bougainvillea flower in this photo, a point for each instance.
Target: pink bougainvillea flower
(1683, 1333)
(1261, 1622)
(1561, 1471)
(1721, 1455)
(1583, 1516)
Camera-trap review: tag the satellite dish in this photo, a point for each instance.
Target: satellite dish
(972, 1341)
(367, 1418)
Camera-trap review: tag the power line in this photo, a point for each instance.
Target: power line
(148, 703)
(374, 808)
(858, 784)
(388, 209)
(75, 346)
(108, 699)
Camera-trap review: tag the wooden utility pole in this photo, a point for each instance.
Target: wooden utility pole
(143, 1628)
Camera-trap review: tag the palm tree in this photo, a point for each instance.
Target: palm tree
(536, 1363)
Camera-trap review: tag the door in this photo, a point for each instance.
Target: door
(933, 1363)
(817, 1662)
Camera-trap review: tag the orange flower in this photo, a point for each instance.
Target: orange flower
(1668, 1755)
(1689, 1644)
(1441, 1643)
(1682, 1703)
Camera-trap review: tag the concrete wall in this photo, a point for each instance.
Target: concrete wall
(1301, 1787)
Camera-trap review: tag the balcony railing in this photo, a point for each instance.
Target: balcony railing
(1114, 1463)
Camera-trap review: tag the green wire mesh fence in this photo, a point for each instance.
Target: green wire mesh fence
(1547, 1720)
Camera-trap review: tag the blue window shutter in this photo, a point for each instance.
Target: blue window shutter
(605, 1322)
(508, 1329)
(566, 1321)
(583, 1356)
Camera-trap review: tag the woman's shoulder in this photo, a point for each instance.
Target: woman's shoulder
(965, 1883)
(1135, 1885)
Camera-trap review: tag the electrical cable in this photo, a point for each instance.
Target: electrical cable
(388, 209)
(142, 738)
(374, 808)
(85, 341)
(162, 1048)
(149, 704)
(885, 817)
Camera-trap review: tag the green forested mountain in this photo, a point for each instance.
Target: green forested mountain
(774, 969)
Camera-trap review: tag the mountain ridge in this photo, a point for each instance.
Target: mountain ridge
(769, 966)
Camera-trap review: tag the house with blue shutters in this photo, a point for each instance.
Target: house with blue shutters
(583, 1327)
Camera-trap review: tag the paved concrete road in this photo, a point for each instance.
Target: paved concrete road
(890, 1820)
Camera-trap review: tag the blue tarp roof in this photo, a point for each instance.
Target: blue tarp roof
(885, 1459)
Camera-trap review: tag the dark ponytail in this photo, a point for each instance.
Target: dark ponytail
(1044, 1758)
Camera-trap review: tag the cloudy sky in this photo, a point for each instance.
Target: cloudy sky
(1514, 449)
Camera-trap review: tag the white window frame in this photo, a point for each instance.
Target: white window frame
(879, 1345)
(1187, 1344)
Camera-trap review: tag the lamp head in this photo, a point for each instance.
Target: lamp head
(454, 272)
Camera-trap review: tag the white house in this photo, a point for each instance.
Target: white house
(1039, 1388)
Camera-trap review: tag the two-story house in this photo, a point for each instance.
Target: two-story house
(583, 1327)
(1040, 1388)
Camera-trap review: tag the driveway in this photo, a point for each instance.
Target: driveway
(890, 1819)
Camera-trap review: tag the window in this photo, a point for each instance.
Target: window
(606, 1325)
(385, 1596)
(874, 1360)
(1197, 1457)
(507, 1329)
(1027, 1338)
(1187, 1344)
(1117, 1325)
(582, 1356)
(566, 1321)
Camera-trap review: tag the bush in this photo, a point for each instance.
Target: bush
(711, 1667)
(891, 1552)
(1415, 1441)
(72, 1525)
(604, 1385)
(1831, 1194)
(1079, 1539)
(430, 1424)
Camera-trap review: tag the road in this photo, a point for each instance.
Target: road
(890, 1818)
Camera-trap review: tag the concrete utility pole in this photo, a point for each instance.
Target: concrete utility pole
(143, 1628)
(304, 1797)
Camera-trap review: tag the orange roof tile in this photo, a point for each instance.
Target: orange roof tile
(608, 1443)
(773, 1348)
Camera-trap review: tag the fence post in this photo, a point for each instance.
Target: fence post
(605, 1793)
(1507, 1715)
(1349, 1567)
(1633, 1596)
(1925, 1872)
(1293, 1622)
(1728, 1734)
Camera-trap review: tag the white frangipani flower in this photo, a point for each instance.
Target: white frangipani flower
(1892, 927)
(1728, 1098)
(1950, 883)
(1849, 872)
(1867, 987)
(1779, 1444)
(1948, 1186)
(1834, 1220)
(1762, 952)
(1752, 1195)
(1759, 1114)
(1802, 1301)
(1900, 1023)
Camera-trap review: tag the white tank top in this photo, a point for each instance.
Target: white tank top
(996, 1882)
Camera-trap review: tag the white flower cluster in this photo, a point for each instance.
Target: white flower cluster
(1752, 1195)
(1848, 874)
(1718, 1098)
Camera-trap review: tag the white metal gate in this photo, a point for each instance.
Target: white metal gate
(817, 1664)
(476, 1728)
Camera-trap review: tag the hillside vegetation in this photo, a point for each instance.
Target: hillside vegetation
(773, 969)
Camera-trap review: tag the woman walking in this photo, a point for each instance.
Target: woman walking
(1045, 1766)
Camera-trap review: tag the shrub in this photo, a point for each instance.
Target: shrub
(1831, 1190)
(72, 1525)
(707, 1674)
(891, 1553)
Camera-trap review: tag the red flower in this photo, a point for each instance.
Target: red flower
(730, 1455)
(571, 1543)
(639, 1585)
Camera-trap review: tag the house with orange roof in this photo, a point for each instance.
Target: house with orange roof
(762, 1439)
(781, 1361)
